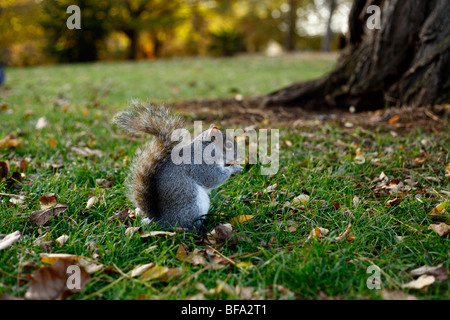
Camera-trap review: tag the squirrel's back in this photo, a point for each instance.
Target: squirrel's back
(161, 123)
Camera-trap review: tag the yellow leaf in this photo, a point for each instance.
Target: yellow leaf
(155, 272)
(51, 258)
(440, 208)
(301, 199)
(241, 219)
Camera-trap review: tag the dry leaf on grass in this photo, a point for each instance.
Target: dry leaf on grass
(4, 169)
(140, 269)
(440, 272)
(57, 281)
(420, 283)
(318, 233)
(42, 216)
(10, 141)
(9, 240)
(147, 234)
(302, 199)
(91, 202)
(441, 229)
(241, 219)
(48, 200)
(62, 239)
(42, 123)
(440, 209)
(222, 234)
(51, 258)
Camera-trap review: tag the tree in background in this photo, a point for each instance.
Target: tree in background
(77, 45)
(19, 33)
(404, 62)
(155, 17)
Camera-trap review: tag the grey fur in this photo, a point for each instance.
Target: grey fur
(169, 194)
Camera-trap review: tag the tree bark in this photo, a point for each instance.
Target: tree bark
(405, 62)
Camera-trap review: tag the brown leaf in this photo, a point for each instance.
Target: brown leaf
(42, 216)
(440, 272)
(441, 229)
(181, 254)
(57, 281)
(222, 234)
(15, 178)
(10, 141)
(23, 165)
(48, 200)
(393, 202)
(4, 169)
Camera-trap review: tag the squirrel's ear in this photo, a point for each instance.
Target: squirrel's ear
(212, 132)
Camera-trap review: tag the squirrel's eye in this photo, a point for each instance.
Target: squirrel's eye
(229, 145)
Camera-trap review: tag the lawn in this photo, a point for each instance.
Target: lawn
(346, 196)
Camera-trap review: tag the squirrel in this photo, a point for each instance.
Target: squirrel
(175, 194)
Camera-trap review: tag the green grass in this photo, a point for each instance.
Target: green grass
(282, 263)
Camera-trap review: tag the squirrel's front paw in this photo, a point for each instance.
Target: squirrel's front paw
(236, 168)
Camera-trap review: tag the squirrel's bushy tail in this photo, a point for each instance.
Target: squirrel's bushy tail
(147, 118)
(161, 123)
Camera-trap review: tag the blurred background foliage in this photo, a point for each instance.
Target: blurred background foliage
(35, 32)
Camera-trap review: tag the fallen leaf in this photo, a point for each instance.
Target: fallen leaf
(42, 123)
(241, 219)
(147, 234)
(441, 229)
(393, 202)
(62, 239)
(42, 216)
(155, 272)
(422, 282)
(439, 209)
(4, 169)
(91, 202)
(318, 232)
(17, 200)
(140, 269)
(181, 254)
(55, 282)
(10, 141)
(440, 272)
(90, 266)
(48, 200)
(302, 199)
(131, 230)
(9, 240)
(51, 258)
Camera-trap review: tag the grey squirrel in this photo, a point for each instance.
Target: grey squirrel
(175, 194)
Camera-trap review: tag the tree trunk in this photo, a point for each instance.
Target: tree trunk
(133, 35)
(326, 42)
(405, 62)
(291, 24)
